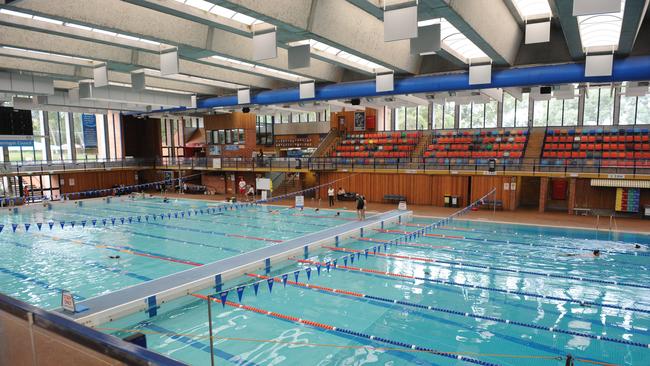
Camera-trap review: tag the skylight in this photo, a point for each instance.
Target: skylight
(533, 9)
(601, 31)
(258, 69)
(456, 42)
(221, 11)
(76, 26)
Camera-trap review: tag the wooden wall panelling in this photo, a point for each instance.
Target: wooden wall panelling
(87, 181)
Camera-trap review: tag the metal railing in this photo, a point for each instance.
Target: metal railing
(531, 166)
(419, 164)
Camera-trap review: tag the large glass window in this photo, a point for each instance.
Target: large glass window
(491, 112)
(85, 137)
(411, 118)
(478, 115)
(449, 113)
(400, 118)
(634, 110)
(443, 115)
(465, 118)
(423, 117)
(59, 137)
(515, 112)
(555, 112)
(599, 107)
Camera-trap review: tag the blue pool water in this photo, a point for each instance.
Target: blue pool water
(495, 294)
(36, 265)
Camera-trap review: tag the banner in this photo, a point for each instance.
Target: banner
(89, 127)
(300, 201)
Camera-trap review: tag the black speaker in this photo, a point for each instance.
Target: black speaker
(355, 101)
(246, 110)
(545, 90)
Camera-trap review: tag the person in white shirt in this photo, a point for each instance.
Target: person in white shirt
(330, 195)
(242, 186)
(251, 193)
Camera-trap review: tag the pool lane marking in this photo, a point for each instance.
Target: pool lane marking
(208, 221)
(125, 249)
(44, 284)
(134, 232)
(494, 268)
(84, 262)
(493, 289)
(458, 313)
(485, 240)
(347, 331)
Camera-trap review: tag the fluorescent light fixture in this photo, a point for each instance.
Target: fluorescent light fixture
(76, 26)
(253, 68)
(45, 53)
(455, 42)
(602, 31)
(221, 11)
(533, 9)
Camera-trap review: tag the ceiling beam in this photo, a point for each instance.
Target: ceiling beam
(194, 40)
(633, 15)
(488, 24)
(564, 12)
(121, 58)
(335, 22)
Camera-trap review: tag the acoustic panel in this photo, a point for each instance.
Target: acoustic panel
(100, 76)
(400, 24)
(384, 82)
(169, 63)
(243, 96)
(265, 46)
(138, 81)
(538, 32)
(307, 90)
(599, 65)
(299, 56)
(480, 74)
(427, 41)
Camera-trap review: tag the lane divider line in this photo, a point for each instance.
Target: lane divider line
(494, 268)
(459, 313)
(347, 331)
(493, 289)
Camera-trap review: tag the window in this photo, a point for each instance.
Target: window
(465, 119)
(599, 107)
(59, 139)
(515, 112)
(443, 115)
(449, 113)
(85, 137)
(423, 117)
(411, 118)
(400, 119)
(263, 129)
(634, 110)
(491, 112)
(478, 115)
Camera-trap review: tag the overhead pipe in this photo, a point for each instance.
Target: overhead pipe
(627, 69)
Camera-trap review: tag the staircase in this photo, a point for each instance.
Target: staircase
(425, 140)
(325, 147)
(535, 143)
(291, 183)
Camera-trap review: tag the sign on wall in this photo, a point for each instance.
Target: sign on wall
(89, 127)
(215, 150)
(359, 121)
(16, 140)
(300, 201)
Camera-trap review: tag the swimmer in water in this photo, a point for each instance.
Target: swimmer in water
(165, 200)
(316, 210)
(338, 214)
(595, 253)
(114, 256)
(637, 246)
(274, 212)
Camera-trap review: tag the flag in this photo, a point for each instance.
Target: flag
(334, 263)
(130, 219)
(50, 224)
(139, 219)
(39, 225)
(256, 286)
(83, 223)
(104, 222)
(14, 227)
(345, 261)
(318, 269)
(374, 250)
(270, 283)
(308, 271)
(366, 253)
(223, 295)
(240, 292)
(327, 265)
(113, 221)
(94, 221)
(62, 224)
(284, 279)
(1, 227)
(72, 223)
(295, 275)
(27, 227)
(351, 258)
(122, 220)
(358, 255)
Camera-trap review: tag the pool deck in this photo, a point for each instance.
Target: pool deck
(149, 295)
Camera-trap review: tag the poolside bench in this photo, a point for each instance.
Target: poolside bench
(394, 198)
(490, 203)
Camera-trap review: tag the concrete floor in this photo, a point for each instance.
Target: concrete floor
(520, 216)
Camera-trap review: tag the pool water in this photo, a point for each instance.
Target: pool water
(36, 265)
(485, 299)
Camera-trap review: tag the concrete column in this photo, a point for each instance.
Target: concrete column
(571, 203)
(543, 193)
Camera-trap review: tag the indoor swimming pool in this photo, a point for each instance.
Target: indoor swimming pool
(132, 241)
(466, 293)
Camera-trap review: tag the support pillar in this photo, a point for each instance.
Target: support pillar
(543, 193)
(571, 203)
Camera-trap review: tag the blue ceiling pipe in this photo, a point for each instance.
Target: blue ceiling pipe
(627, 69)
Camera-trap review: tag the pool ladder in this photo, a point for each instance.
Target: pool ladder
(612, 223)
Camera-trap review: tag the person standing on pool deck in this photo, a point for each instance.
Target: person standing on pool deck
(361, 207)
(330, 195)
(242, 186)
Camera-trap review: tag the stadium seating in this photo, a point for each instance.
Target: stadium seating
(593, 147)
(376, 147)
(477, 147)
